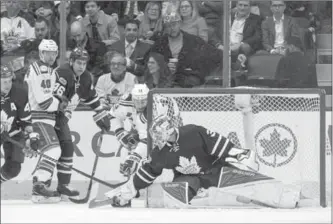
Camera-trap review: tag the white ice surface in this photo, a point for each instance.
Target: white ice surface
(26, 212)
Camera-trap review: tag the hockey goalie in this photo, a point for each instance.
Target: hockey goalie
(199, 159)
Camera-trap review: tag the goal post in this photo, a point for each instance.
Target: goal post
(286, 128)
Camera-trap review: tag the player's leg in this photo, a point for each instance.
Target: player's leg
(14, 157)
(67, 151)
(49, 145)
(258, 188)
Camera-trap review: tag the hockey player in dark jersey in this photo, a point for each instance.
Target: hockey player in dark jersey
(74, 82)
(199, 158)
(16, 124)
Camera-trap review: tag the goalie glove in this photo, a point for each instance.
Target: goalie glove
(102, 120)
(126, 139)
(131, 164)
(32, 144)
(122, 195)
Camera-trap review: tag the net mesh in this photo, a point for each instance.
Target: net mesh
(284, 130)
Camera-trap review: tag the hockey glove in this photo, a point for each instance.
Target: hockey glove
(32, 145)
(126, 139)
(63, 102)
(131, 164)
(102, 120)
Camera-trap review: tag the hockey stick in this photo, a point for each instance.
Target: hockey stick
(86, 198)
(69, 167)
(94, 203)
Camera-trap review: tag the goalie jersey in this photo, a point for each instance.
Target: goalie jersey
(76, 89)
(15, 110)
(194, 152)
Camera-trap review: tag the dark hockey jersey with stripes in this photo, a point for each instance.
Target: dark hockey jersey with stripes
(194, 152)
(76, 88)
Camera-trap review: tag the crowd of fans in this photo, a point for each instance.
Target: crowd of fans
(171, 43)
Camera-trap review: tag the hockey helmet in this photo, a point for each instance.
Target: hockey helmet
(139, 96)
(48, 45)
(6, 72)
(79, 53)
(161, 130)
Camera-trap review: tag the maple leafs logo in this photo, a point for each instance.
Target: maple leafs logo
(187, 166)
(6, 122)
(277, 145)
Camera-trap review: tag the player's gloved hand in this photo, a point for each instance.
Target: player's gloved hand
(63, 102)
(131, 164)
(126, 139)
(32, 145)
(102, 120)
(122, 195)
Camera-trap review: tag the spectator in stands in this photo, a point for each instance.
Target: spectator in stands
(212, 12)
(278, 28)
(295, 70)
(46, 9)
(113, 85)
(14, 28)
(151, 25)
(133, 48)
(42, 31)
(100, 26)
(157, 73)
(96, 49)
(192, 23)
(170, 6)
(190, 58)
(245, 33)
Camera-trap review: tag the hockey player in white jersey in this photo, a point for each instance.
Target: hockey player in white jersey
(41, 81)
(133, 107)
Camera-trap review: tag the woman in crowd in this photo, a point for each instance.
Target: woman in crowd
(151, 24)
(192, 23)
(157, 74)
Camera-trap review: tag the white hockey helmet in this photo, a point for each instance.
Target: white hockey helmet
(140, 96)
(161, 130)
(48, 51)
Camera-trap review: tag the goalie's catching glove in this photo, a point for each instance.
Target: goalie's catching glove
(32, 144)
(131, 164)
(126, 139)
(102, 120)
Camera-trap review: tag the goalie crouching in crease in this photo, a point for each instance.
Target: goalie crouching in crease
(199, 158)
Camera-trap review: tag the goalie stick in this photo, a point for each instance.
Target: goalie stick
(86, 198)
(69, 167)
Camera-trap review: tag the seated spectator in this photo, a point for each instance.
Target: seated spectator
(42, 31)
(151, 24)
(14, 28)
(157, 73)
(278, 28)
(132, 48)
(192, 23)
(245, 32)
(295, 70)
(96, 49)
(46, 9)
(100, 26)
(190, 58)
(212, 12)
(112, 86)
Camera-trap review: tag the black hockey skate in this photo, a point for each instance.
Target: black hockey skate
(41, 193)
(64, 189)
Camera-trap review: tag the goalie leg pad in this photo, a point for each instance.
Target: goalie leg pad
(260, 189)
(175, 195)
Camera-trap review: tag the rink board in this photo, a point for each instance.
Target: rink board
(85, 134)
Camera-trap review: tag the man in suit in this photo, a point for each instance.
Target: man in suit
(132, 47)
(245, 32)
(278, 28)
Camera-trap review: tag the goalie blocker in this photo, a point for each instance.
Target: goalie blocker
(198, 158)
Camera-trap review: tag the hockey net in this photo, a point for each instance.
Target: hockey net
(285, 127)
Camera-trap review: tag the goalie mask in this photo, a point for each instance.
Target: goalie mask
(139, 96)
(48, 51)
(160, 131)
